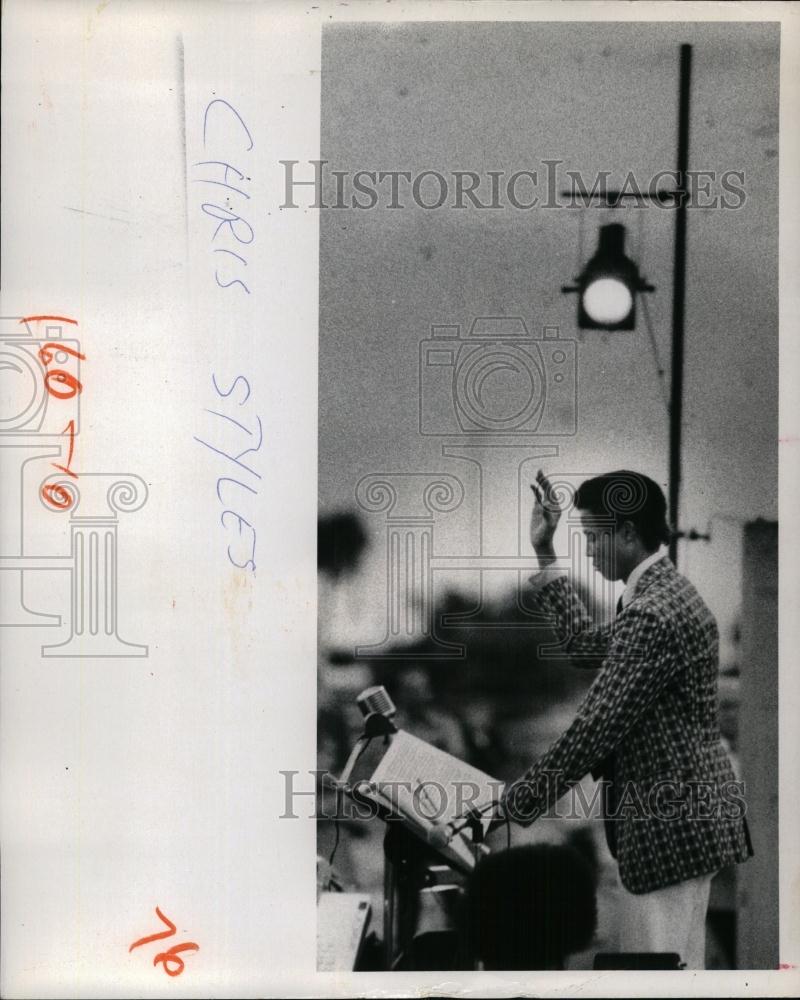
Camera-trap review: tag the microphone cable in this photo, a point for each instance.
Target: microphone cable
(337, 818)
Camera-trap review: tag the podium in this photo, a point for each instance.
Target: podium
(422, 904)
(423, 884)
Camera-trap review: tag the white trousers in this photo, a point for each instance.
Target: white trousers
(671, 919)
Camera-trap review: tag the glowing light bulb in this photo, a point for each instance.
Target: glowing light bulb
(607, 300)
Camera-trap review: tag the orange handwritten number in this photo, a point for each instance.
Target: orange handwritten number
(57, 375)
(172, 956)
(37, 319)
(156, 937)
(69, 429)
(62, 378)
(57, 496)
(47, 350)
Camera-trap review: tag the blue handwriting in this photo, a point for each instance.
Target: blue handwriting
(231, 223)
(228, 486)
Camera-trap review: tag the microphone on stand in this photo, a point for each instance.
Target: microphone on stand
(377, 708)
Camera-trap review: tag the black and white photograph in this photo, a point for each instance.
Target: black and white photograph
(548, 522)
(399, 458)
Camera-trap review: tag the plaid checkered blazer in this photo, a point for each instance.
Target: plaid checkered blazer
(649, 727)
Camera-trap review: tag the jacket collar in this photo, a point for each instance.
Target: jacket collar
(649, 570)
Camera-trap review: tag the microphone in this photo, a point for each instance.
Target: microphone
(377, 708)
(376, 700)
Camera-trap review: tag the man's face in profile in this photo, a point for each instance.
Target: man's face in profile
(602, 545)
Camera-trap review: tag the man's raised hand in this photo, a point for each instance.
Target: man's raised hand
(544, 517)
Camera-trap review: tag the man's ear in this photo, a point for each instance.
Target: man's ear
(629, 532)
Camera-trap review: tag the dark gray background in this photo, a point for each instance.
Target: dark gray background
(505, 96)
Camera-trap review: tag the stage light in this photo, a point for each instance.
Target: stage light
(608, 285)
(607, 300)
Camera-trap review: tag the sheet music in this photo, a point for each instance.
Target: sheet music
(431, 787)
(436, 786)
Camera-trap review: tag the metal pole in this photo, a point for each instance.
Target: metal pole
(679, 298)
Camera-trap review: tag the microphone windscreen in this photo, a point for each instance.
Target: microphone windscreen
(377, 700)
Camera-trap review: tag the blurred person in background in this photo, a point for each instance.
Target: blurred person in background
(530, 907)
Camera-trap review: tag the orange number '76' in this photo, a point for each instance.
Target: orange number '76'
(170, 956)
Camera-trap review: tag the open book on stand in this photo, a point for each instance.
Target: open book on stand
(427, 789)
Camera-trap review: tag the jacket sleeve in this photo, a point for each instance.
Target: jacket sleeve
(643, 657)
(586, 643)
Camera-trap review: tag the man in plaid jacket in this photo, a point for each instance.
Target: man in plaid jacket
(648, 725)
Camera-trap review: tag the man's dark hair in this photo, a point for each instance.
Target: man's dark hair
(628, 496)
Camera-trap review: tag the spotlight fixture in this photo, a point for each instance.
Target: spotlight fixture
(608, 285)
(609, 282)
